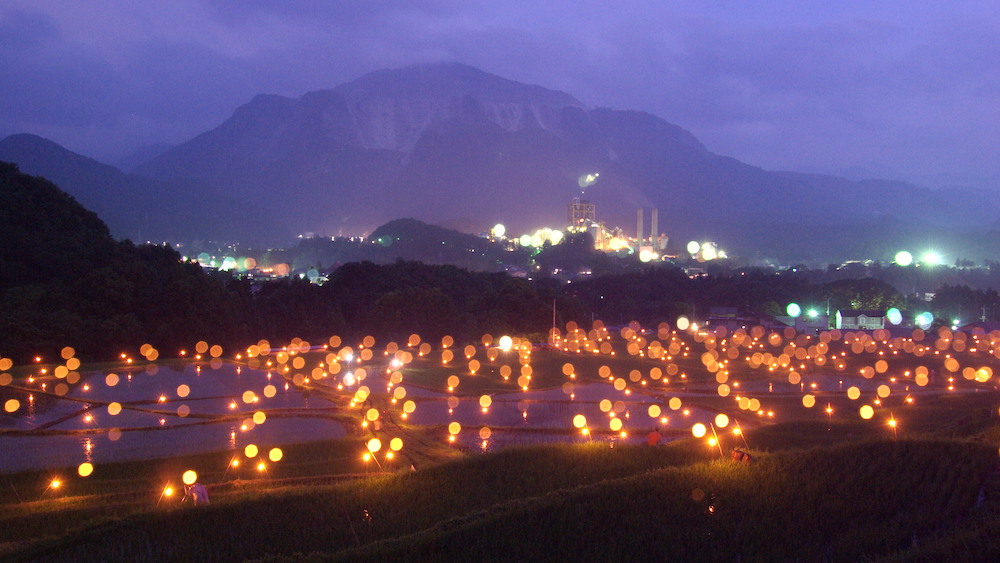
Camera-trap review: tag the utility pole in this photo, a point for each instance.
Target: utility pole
(552, 333)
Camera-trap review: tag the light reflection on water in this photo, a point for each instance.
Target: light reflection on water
(148, 428)
(217, 417)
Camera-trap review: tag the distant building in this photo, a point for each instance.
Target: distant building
(656, 240)
(806, 323)
(695, 272)
(580, 215)
(863, 319)
(732, 319)
(607, 240)
(728, 317)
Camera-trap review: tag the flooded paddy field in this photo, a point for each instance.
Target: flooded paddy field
(615, 386)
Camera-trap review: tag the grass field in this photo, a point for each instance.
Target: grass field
(845, 501)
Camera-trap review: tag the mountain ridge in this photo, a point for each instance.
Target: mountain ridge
(451, 144)
(132, 206)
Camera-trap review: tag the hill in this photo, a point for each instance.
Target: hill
(851, 501)
(47, 235)
(99, 187)
(401, 239)
(136, 207)
(64, 279)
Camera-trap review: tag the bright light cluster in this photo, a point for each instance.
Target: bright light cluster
(540, 237)
(705, 251)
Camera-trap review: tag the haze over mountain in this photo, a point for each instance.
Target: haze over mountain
(136, 207)
(450, 144)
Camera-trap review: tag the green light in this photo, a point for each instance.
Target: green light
(793, 310)
(813, 313)
(931, 258)
(904, 258)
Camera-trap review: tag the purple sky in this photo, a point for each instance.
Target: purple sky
(900, 89)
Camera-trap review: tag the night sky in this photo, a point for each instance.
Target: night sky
(907, 90)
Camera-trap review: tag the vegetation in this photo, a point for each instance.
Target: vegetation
(849, 501)
(63, 280)
(842, 503)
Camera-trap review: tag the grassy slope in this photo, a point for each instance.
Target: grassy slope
(973, 539)
(841, 501)
(349, 514)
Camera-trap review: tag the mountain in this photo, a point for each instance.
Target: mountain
(453, 145)
(442, 141)
(96, 186)
(128, 162)
(64, 280)
(47, 234)
(133, 206)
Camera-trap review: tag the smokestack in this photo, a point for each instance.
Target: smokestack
(653, 220)
(638, 225)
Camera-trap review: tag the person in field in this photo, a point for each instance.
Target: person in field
(197, 492)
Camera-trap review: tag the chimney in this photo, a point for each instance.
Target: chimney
(638, 225)
(653, 219)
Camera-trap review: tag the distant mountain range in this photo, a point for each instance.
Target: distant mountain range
(453, 145)
(137, 207)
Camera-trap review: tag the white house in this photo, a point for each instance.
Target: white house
(864, 319)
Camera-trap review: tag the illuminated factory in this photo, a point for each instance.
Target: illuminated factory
(581, 216)
(656, 243)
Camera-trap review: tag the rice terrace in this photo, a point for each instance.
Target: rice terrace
(628, 443)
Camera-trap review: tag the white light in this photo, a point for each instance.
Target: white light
(894, 316)
(708, 251)
(924, 320)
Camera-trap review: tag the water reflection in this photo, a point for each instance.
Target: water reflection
(149, 420)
